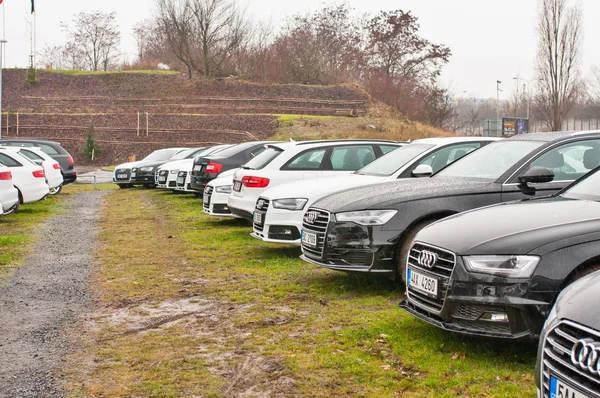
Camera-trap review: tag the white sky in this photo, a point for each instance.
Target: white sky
(490, 40)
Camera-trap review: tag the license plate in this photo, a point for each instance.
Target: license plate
(237, 186)
(258, 217)
(133, 175)
(206, 199)
(162, 179)
(422, 283)
(180, 180)
(122, 176)
(309, 239)
(558, 389)
(198, 167)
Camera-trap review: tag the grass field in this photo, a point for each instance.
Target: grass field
(191, 305)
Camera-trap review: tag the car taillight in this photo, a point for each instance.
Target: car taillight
(39, 173)
(56, 166)
(255, 182)
(71, 160)
(214, 167)
(6, 175)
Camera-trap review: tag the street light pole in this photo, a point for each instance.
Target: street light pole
(2, 42)
(498, 82)
(517, 78)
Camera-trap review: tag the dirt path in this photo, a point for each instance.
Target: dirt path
(43, 297)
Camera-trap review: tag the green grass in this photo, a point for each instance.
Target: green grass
(276, 323)
(112, 72)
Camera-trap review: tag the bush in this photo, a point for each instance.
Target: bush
(91, 149)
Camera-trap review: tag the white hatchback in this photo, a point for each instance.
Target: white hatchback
(279, 210)
(54, 177)
(9, 196)
(28, 177)
(300, 161)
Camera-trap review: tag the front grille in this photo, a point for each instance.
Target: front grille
(262, 206)
(122, 171)
(319, 227)
(484, 327)
(442, 269)
(181, 176)
(359, 258)
(162, 173)
(206, 198)
(556, 358)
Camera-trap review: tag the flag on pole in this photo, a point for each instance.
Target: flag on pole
(32, 6)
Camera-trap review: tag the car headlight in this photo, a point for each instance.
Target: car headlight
(290, 203)
(511, 265)
(174, 171)
(367, 217)
(146, 168)
(224, 189)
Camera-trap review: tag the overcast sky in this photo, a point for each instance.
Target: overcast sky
(490, 40)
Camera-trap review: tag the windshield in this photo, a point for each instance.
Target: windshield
(263, 159)
(186, 154)
(234, 150)
(162, 154)
(588, 188)
(395, 160)
(491, 161)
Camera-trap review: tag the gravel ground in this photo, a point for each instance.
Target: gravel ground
(43, 297)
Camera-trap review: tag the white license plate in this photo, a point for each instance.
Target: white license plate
(133, 175)
(558, 389)
(206, 199)
(422, 283)
(309, 239)
(198, 167)
(162, 179)
(257, 218)
(121, 176)
(180, 180)
(237, 186)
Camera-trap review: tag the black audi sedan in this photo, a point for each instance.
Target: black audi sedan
(207, 168)
(370, 229)
(496, 271)
(568, 362)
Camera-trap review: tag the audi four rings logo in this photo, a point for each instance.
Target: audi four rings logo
(310, 217)
(427, 259)
(585, 354)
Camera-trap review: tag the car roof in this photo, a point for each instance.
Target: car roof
(347, 141)
(29, 140)
(451, 140)
(553, 136)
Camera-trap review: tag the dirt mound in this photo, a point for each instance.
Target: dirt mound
(136, 113)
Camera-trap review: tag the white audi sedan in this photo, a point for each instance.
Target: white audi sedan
(54, 177)
(28, 177)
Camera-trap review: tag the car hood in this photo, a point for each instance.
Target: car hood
(578, 302)
(225, 178)
(185, 164)
(128, 165)
(389, 194)
(515, 227)
(317, 187)
(154, 163)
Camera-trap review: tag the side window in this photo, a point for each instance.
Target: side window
(570, 161)
(387, 148)
(48, 149)
(351, 158)
(30, 155)
(257, 151)
(8, 161)
(309, 160)
(443, 157)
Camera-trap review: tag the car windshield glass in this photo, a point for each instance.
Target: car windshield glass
(263, 158)
(491, 161)
(163, 154)
(393, 161)
(186, 154)
(234, 150)
(588, 188)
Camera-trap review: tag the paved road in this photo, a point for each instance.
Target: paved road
(102, 176)
(47, 293)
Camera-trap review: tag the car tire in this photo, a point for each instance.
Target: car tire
(405, 247)
(56, 191)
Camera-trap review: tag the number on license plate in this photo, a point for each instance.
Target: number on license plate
(179, 180)
(162, 179)
(257, 218)
(206, 199)
(422, 283)
(558, 389)
(237, 186)
(122, 176)
(309, 239)
(198, 167)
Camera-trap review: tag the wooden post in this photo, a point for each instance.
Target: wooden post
(17, 123)
(7, 113)
(138, 127)
(147, 123)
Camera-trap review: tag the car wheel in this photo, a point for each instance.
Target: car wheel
(56, 191)
(405, 247)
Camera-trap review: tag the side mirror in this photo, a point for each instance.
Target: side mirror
(422, 170)
(537, 175)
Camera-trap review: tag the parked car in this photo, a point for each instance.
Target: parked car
(54, 149)
(370, 229)
(142, 172)
(299, 161)
(27, 177)
(54, 177)
(496, 271)
(216, 194)
(207, 168)
(281, 208)
(9, 195)
(569, 349)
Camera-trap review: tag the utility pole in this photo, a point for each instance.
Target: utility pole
(528, 84)
(2, 42)
(498, 122)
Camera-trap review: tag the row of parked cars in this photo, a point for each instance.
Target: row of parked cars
(496, 238)
(30, 170)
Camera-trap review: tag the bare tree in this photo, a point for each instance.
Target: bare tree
(176, 27)
(559, 43)
(96, 37)
(53, 56)
(144, 33)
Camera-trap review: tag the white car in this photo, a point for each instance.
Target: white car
(9, 196)
(279, 210)
(54, 177)
(300, 161)
(166, 175)
(126, 174)
(28, 177)
(216, 194)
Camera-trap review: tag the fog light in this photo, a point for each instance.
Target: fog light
(494, 317)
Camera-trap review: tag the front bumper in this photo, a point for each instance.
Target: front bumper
(199, 182)
(278, 226)
(183, 182)
(241, 206)
(8, 199)
(215, 203)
